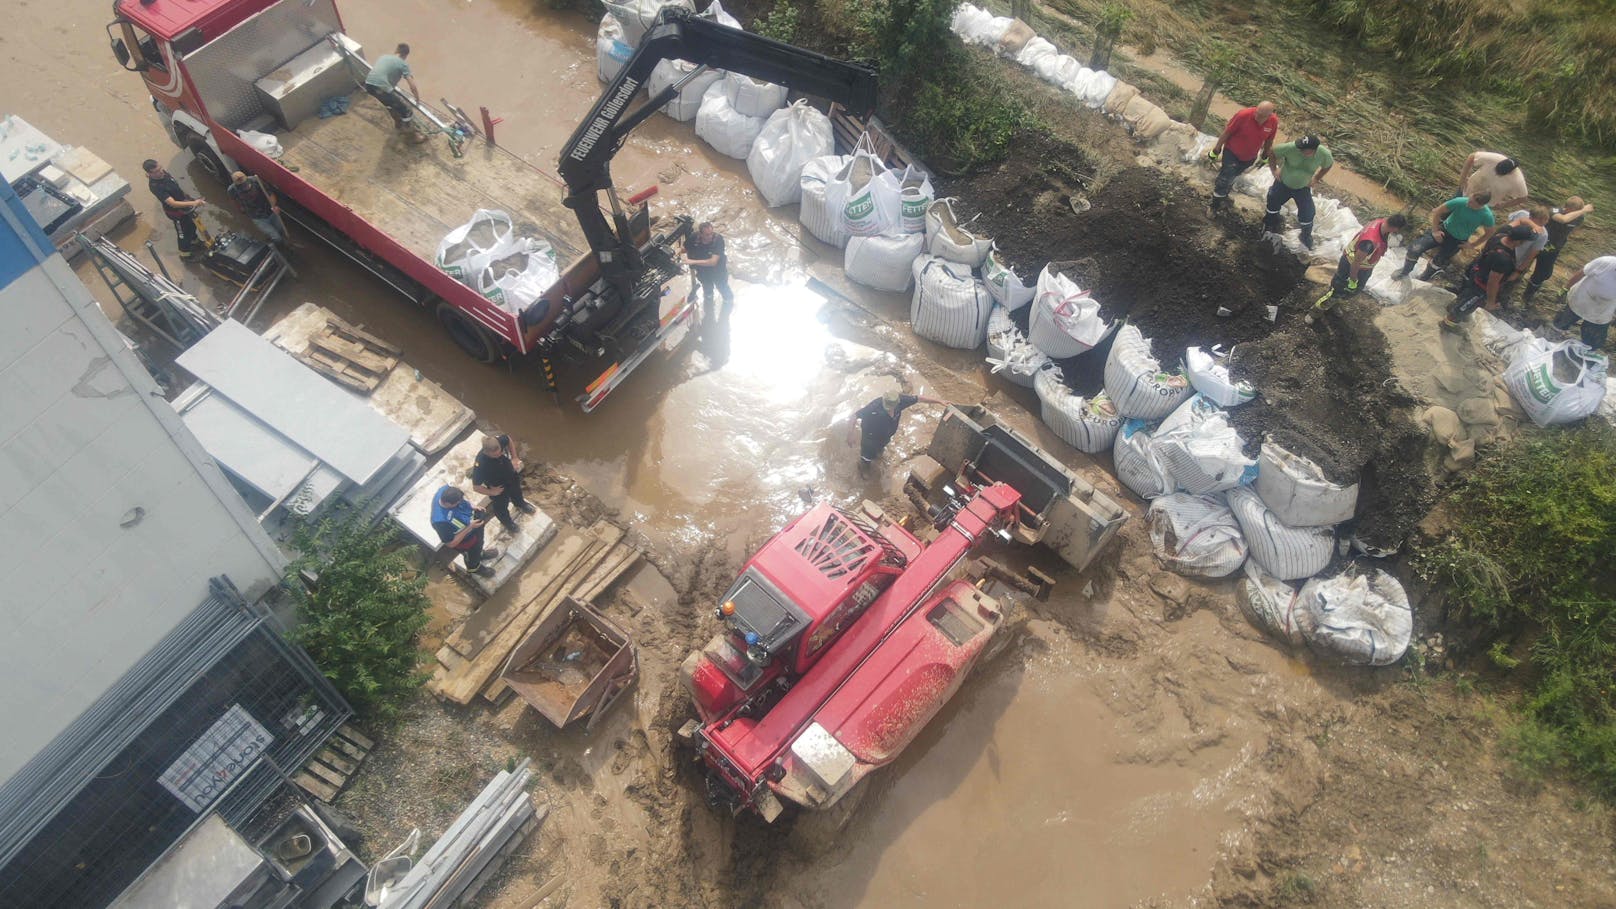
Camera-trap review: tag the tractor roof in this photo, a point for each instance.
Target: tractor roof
(819, 559)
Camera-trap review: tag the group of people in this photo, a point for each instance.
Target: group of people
(1520, 251)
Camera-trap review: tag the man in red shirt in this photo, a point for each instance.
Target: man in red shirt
(1248, 138)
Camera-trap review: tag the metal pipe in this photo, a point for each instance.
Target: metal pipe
(151, 248)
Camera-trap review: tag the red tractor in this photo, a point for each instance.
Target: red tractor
(846, 633)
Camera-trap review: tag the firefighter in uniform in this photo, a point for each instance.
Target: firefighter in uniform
(177, 206)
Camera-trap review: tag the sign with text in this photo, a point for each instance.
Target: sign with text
(228, 749)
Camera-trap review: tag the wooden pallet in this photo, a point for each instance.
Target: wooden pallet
(328, 772)
(846, 130)
(353, 358)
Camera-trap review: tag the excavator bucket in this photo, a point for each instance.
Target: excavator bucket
(1060, 508)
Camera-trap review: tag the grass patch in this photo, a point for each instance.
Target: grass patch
(1529, 553)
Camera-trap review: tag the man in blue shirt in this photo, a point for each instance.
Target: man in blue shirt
(460, 527)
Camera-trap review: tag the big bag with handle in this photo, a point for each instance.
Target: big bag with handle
(873, 203)
(1557, 383)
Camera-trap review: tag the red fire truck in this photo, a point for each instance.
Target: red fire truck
(219, 68)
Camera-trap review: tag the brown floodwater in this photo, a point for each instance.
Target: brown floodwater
(1056, 779)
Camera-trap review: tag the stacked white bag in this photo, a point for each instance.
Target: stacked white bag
(1136, 381)
(1200, 452)
(726, 129)
(791, 138)
(1010, 353)
(1556, 383)
(1296, 490)
(612, 50)
(1003, 283)
(945, 237)
(636, 16)
(978, 26)
(753, 97)
(1195, 535)
(1133, 457)
(1269, 603)
(1209, 376)
(1065, 320)
(915, 196)
(687, 103)
(950, 306)
(873, 197)
(1288, 553)
(822, 199)
(883, 262)
(1087, 424)
(1361, 618)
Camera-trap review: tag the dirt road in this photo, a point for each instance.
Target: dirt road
(1140, 744)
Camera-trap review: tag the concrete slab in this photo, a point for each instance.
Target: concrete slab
(414, 511)
(533, 532)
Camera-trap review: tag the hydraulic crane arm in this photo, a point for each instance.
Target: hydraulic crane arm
(679, 34)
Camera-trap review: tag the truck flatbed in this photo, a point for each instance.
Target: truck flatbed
(418, 193)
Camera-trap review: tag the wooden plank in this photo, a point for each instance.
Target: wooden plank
(348, 748)
(352, 734)
(449, 659)
(320, 790)
(360, 336)
(329, 757)
(605, 578)
(553, 565)
(325, 774)
(337, 374)
(354, 352)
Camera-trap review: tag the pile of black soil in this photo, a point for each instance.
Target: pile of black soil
(1325, 392)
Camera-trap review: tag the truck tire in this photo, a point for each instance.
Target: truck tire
(209, 161)
(478, 342)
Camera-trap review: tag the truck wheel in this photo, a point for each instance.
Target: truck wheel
(475, 340)
(209, 161)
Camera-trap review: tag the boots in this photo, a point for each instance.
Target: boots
(1408, 268)
(1430, 272)
(1307, 236)
(1529, 292)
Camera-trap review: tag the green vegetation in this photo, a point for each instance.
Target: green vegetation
(1532, 553)
(361, 620)
(780, 23)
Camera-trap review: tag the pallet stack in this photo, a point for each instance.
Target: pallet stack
(328, 772)
(353, 358)
(582, 566)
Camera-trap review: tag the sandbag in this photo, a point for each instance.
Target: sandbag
(753, 97)
(1195, 535)
(1135, 380)
(1360, 617)
(716, 12)
(1034, 50)
(1208, 373)
(1097, 89)
(1297, 491)
(1122, 94)
(978, 26)
(465, 252)
(727, 130)
(915, 195)
(1010, 354)
(1144, 119)
(1269, 603)
(1556, 383)
(1057, 69)
(1087, 424)
(612, 50)
(945, 236)
(1255, 182)
(264, 143)
(873, 203)
(1288, 553)
(822, 199)
(687, 103)
(1134, 459)
(1199, 450)
(636, 16)
(515, 279)
(1003, 283)
(1334, 226)
(950, 306)
(1196, 151)
(1065, 320)
(884, 263)
(1015, 38)
(791, 137)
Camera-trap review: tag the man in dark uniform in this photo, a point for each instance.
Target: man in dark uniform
(704, 251)
(1486, 275)
(877, 423)
(177, 206)
(460, 527)
(498, 475)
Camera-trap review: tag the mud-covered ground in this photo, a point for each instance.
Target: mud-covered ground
(1139, 744)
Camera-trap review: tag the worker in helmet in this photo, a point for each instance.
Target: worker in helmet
(877, 422)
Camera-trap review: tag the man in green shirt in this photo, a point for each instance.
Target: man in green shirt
(1298, 167)
(1453, 223)
(382, 84)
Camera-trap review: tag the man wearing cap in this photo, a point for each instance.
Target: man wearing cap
(1453, 223)
(1358, 262)
(877, 423)
(1246, 139)
(1298, 167)
(1485, 276)
(1591, 300)
(1491, 172)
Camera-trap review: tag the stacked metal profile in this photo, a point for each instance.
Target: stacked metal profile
(468, 854)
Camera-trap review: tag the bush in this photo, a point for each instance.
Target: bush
(361, 620)
(1530, 550)
(780, 23)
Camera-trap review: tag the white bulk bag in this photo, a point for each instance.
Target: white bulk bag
(1135, 461)
(1035, 50)
(265, 143)
(1556, 383)
(946, 238)
(612, 50)
(464, 252)
(978, 26)
(1269, 603)
(1209, 376)
(1010, 353)
(1057, 69)
(1288, 553)
(1296, 490)
(637, 15)
(950, 306)
(873, 198)
(1087, 424)
(687, 103)
(1195, 535)
(822, 199)
(1134, 378)
(514, 288)
(726, 129)
(884, 263)
(1255, 182)
(1098, 88)
(791, 137)
(1360, 617)
(1003, 283)
(915, 195)
(1065, 320)
(1196, 151)
(753, 97)
(1199, 450)
(717, 13)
